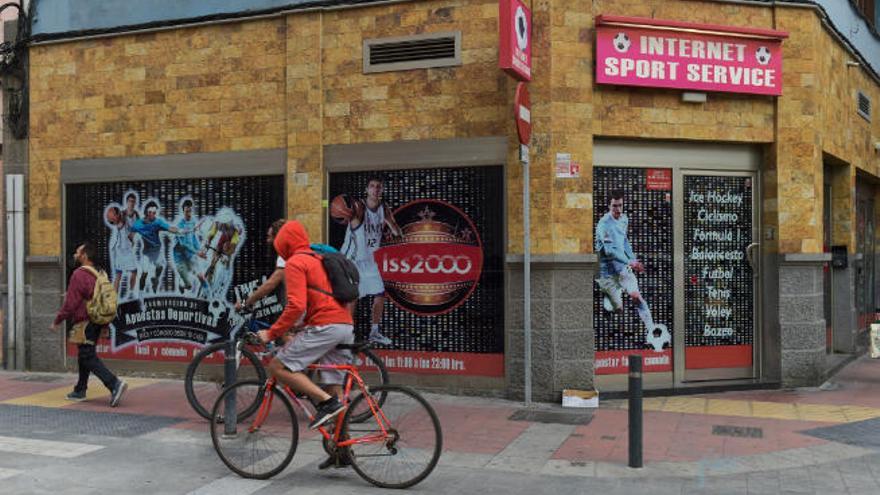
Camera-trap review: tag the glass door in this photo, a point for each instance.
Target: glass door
(717, 276)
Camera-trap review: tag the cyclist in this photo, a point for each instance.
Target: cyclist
(277, 276)
(325, 323)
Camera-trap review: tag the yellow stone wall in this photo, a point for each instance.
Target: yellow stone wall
(562, 109)
(470, 100)
(218, 88)
(847, 138)
(818, 124)
(305, 123)
(296, 82)
(839, 176)
(799, 157)
(845, 134)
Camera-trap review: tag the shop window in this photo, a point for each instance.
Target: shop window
(412, 52)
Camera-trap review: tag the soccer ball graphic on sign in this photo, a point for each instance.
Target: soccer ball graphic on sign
(216, 308)
(522, 28)
(762, 55)
(621, 42)
(659, 337)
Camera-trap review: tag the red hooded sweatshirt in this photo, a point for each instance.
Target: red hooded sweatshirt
(300, 272)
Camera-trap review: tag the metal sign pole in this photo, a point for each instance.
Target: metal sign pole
(527, 276)
(14, 354)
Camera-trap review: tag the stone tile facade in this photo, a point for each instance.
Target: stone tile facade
(296, 82)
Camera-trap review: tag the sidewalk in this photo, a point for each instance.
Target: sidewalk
(805, 440)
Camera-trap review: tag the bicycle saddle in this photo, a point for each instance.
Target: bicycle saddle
(356, 346)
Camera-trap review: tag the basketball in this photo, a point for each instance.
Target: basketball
(112, 215)
(342, 209)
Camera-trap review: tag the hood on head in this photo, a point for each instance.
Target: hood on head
(291, 238)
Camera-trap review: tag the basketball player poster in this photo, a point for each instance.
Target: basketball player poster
(180, 253)
(428, 244)
(633, 300)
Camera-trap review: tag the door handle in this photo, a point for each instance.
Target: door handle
(750, 256)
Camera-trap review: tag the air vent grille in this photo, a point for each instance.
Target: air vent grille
(412, 52)
(864, 106)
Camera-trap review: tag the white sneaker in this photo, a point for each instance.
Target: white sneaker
(378, 338)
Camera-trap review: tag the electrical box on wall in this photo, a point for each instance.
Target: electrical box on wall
(839, 257)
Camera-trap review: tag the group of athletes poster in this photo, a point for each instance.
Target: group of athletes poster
(180, 253)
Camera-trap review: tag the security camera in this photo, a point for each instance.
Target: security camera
(877, 146)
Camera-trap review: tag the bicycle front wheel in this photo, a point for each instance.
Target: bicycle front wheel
(259, 443)
(410, 447)
(205, 375)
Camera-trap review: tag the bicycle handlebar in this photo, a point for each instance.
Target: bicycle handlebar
(251, 338)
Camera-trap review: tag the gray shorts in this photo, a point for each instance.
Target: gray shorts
(318, 345)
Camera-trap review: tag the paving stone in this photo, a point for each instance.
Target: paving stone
(28, 421)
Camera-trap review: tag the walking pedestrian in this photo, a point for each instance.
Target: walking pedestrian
(84, 332)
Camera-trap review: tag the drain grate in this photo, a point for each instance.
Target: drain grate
(737, 431)
(552, 417)
(22, 421)
(39, 378)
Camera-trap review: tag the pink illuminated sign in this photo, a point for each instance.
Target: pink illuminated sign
(666, 54)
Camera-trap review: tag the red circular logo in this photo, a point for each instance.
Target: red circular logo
(436, 265)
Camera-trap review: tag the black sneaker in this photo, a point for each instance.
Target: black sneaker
(76, 396)
(337, 461)
(326, 411)
(118, 390)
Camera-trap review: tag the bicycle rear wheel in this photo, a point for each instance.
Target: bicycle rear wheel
(365, 361)
(410, 451)
(262, 441)
(204, 378)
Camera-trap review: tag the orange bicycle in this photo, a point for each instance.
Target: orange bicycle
(393, 445)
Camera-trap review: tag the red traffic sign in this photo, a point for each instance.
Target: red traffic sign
(515, 39)
(522, 111)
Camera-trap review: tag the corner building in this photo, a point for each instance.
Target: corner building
(751, 210)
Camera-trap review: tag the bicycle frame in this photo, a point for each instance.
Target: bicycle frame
(352, 378)
(253, 326)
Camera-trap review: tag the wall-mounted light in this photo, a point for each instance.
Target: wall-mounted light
(693, 97)
(853, 63)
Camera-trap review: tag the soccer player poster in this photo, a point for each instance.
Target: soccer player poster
(633, 292)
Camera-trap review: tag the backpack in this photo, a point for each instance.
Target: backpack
(343, 275)
(102, 306)
(323, 248)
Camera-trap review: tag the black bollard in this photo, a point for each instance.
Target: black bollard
(635, 411)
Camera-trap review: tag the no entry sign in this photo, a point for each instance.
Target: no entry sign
(523, 113)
